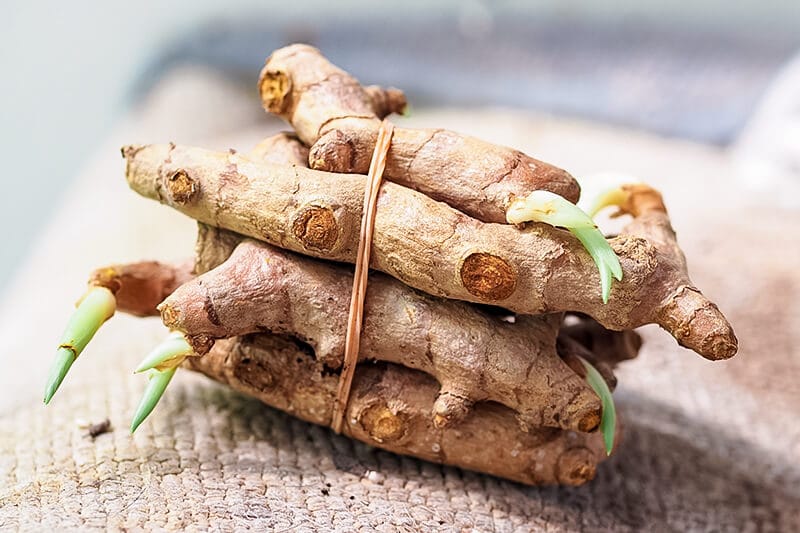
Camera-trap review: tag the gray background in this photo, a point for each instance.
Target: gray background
(71, 69)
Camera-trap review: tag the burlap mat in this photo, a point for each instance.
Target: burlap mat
(707, 446)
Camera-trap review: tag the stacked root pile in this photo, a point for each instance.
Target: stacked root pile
(474, 329)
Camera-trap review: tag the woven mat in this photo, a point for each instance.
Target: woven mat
(707, 446)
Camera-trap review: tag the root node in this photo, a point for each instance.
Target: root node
(316, 228)
(182, 188)
(382, 424)
(576, 466)
(488, 276)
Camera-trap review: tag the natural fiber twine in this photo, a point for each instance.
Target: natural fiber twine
(707, 446)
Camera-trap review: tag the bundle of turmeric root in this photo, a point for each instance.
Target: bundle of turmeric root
(484, 319)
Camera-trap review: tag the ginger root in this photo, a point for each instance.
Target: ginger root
(473, 355)
(281, 149)
(140, 287)
(435, 248)
(390, 408)
(466, 357)
(338, 119)
(392, 404)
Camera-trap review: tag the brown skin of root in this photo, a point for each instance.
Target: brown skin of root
(281, 149)
(215, 246)
(640, 199)
(571, 351)
(385, 102)
(391, 405)
(140, 287)
(338, 118)
(607, 346)
(390, 409)
(437, 249)
(693, 320)
(474, 356)
(336, 94)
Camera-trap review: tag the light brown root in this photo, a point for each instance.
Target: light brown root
(606, 346)
(434, 248)
(694, 321)
(391, 407)
(140, 287)
(473, 355)
(281, 149)
(339, 119)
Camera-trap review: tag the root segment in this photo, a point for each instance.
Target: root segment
(552, 272)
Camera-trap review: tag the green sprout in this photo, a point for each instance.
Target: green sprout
(608, 197)
(608, 419)
(156, 384)
(96, 306)
(605, 189)
(168, 354)
(545, 206)
(160, 365)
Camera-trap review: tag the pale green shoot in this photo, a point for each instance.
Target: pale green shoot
(544, 206)
(156, 384)
(96, 306)
(168, 354)
(608, 419)
(605, 189)
(609, 197)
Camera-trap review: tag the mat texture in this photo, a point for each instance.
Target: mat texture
(707, 446)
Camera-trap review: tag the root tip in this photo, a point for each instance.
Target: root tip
(723, 347)
(697, 324)
(449, 409)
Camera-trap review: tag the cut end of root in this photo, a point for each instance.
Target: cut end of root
(590, 421)
(576, 466)
(274, 86)
(316, 228)
(488, 276)
(383, 424)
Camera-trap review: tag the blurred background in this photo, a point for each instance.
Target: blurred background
(701, 99)
(706, 71)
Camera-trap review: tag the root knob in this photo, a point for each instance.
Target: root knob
(274, 86)
(182, 188)
(382, 424)
(589, 422)
(334, 151)
(449, 409)
(576, 466)
(488, 276)
(316, 228)
(698, 324)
